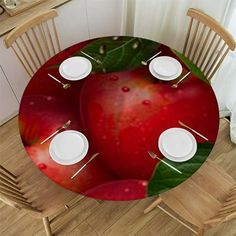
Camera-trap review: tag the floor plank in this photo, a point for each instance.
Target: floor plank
(67, 223)
(132, 221)
(83, 229)
(23, 226)
(164, 224)
(10, 141)
(9, 216)
(108, 213)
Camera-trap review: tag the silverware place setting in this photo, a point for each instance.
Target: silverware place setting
(94, 59)
(63, 127)
(175, 85)
(146, 62)
(194, 131)
(65, 86)
(154, 156)
(82, 167)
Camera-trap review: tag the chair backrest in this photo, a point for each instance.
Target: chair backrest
(227, 211)
(35, 41)
(11, 192)
(207, 42)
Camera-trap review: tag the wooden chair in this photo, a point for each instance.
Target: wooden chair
(206, 199)
(31, 191)
(35, 41)
(207, 42)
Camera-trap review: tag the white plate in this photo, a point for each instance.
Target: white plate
(165, 68)
(177, 144)
(68, 147)
(75, 68)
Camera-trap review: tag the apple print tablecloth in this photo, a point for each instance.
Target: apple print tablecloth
(122, 109)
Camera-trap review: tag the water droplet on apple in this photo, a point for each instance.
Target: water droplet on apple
(125, 89)
(126, 190)
(146, 102)
(102, 49)
(49, 98)
(42, 166)
(143, 183)
(114, 78)
(135, 45)
(31, 103)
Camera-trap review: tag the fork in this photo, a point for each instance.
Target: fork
(153, 155)
(65, 126)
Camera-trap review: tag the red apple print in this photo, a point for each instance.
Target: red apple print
(122, 114)
(119, 190)
(123, 118)
(40, 123)
(94, 174)
(36, 122)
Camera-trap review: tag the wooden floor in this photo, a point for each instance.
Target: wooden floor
(95, 218)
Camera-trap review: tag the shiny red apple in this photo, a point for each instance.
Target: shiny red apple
(124, 114)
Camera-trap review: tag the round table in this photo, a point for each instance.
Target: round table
(122, 110)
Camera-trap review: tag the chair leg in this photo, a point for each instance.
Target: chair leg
(152, 205)
(47, 226)
(201, 232)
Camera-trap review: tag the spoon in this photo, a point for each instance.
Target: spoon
(65, 86)
(65, 126)
(96, 60)
(146, 62)
(177, 83)
(153, 156)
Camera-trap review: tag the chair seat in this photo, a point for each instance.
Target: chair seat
(200, 197)
(41, 191)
